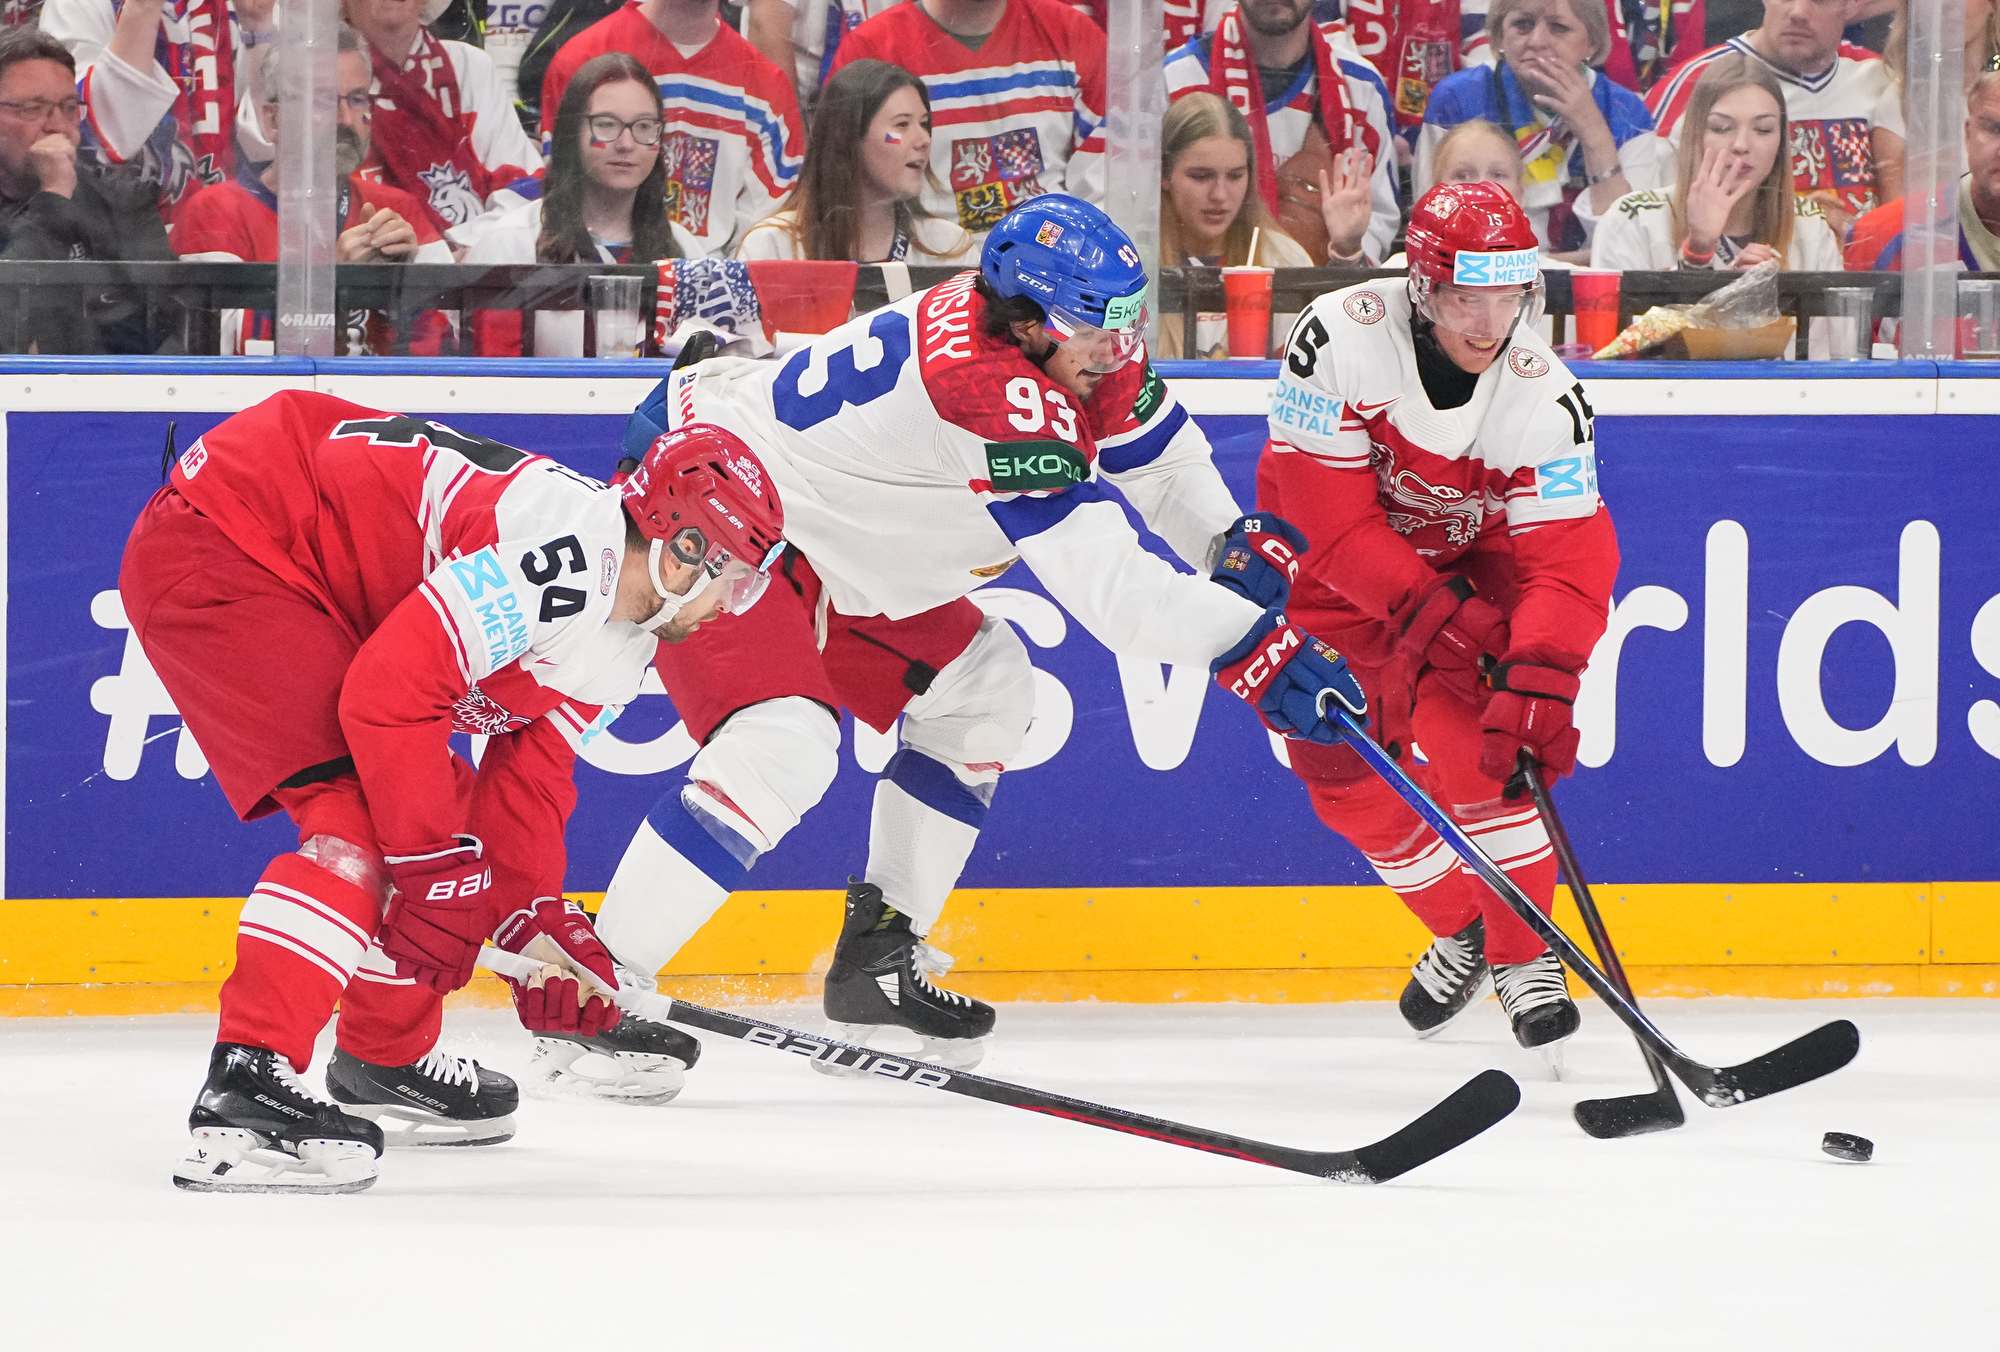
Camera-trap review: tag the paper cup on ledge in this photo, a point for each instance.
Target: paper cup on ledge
(1594, 301)
(1246, 294)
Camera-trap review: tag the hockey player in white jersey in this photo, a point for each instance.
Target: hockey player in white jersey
(1443, 462)
(921, 450)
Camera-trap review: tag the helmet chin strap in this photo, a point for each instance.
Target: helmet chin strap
(670, 601)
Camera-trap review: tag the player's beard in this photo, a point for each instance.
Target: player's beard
(348, 152)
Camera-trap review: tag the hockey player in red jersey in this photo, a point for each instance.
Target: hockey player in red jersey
(1441, 461)
(328, 593)
(921, 450)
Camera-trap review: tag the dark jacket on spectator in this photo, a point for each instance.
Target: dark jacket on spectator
(111, 216)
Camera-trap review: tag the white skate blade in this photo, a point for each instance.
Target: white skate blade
(1552, 1056)
(405, 1126)
(561, 1069)
(1478, 998)
(953, 1053)
(231, 1159)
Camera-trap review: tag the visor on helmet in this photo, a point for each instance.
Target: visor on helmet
(1103, 349)
(740, 581)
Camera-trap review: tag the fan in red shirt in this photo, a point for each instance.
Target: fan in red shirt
(328, 593)
(237, 221)
(1442, 462)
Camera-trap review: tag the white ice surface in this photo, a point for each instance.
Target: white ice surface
(772, 1207)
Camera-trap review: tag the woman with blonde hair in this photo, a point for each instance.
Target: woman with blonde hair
(1584, 140)
(1211, 209)
(1732, 204)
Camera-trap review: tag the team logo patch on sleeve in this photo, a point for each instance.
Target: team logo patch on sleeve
(1152, 393)
(1572, 476)
(1526, 364)
(1298, 408)
(1034, 466)
(1364, 307)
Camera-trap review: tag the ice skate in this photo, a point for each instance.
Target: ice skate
(440, 1099)
(1535, 995)
(881, 978)
(1446, 980)
(256, 1128)
(636, 1061)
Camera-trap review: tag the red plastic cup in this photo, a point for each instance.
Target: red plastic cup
(1246, 294)
(1595, 300)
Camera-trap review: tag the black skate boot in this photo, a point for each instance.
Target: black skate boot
(636, 1061)
(440, 1099)
(1447, 978)
(881, 976)
(256, 1128)
(1535, 995)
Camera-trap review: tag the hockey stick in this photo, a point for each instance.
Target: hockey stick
(1820, 1052)
(1472, 1107)
(1630, 1114)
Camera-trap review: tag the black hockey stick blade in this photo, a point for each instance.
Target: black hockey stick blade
(1804, 1059)
(1659, 1109)
(1820, 1052)
(1473, 1107)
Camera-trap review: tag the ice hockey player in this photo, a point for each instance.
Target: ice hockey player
(1442, 462)
(921, 450)
(328, 592)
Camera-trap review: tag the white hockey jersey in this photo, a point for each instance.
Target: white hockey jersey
(1390, 488)
(917, 458)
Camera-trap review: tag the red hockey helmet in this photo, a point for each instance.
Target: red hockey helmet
(1471, 238)
(703, 496)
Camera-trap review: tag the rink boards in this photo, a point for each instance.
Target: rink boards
(1790, 731)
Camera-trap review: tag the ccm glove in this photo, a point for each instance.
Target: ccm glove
(574, 998)
(1530, 707)
(1447, 629)
(1286, 674)
(1258, 559)
(438, 918)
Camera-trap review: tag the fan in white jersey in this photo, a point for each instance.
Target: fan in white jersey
(921, 450)
(1443, 463)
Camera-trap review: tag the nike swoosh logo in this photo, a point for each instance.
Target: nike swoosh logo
(1366, 411)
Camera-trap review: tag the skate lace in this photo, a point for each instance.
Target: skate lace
(1443, 967)
(448, 1069)
(1523, 986)
(281, 1070)
(927, 962)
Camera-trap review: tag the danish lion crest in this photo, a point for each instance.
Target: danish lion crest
(1427, 504)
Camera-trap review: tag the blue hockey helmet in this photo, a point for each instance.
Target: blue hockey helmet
(1073, 261)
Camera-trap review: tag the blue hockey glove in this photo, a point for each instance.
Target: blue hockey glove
(1288, 676)
(1258, 559)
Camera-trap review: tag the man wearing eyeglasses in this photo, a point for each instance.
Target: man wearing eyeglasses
(237, 221)
(53, 208)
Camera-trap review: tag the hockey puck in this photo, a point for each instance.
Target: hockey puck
(1842, 1146)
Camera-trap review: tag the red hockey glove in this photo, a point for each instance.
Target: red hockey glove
(572, 994)
(1284, 673)
(1530, 708)
(1447, 629)
(1258, 559)
(438, 918)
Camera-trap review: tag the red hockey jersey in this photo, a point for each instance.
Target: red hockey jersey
(734, 141)
(1019, 115)
(479, 581)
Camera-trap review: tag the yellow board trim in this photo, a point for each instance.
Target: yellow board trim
(131, 955)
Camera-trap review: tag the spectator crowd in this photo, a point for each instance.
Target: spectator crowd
(1638, 134)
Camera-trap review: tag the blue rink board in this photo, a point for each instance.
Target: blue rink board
(1829, 502)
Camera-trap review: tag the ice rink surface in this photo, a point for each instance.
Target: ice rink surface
(772, 1207)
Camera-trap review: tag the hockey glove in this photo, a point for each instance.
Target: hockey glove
(1447, 629)
(1530, 707)
(572, 993)
(1283, 673)
(438, 918)
(1258, 559)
